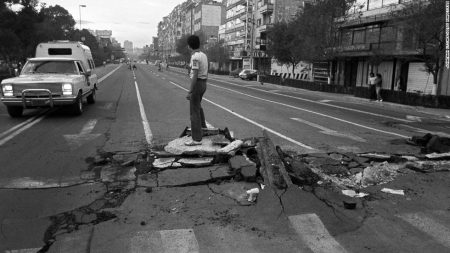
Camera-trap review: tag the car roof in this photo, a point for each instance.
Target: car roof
(52, 59)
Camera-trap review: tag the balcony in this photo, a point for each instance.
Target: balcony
(266, 9)
(265, 27)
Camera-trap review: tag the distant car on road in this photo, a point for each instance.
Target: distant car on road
(248, 74)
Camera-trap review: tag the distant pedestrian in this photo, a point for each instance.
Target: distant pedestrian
(378, 84)
(198, 75)
(371, 83)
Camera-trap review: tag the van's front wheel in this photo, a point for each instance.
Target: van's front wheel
(91, 98)
(77, 108)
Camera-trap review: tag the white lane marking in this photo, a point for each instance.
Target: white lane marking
(23, 128)
(253, 122)
(414, 118)
(325, 101)
(312, 231)
(179, 241)
(313, 112)
(35, 250)
(428, 225)
(146, 241)
(21, 124)
(35, 183)
(145, 124)
(312, 101)
(167, 241)
(328, 131)
(77, 140)
(107, 75)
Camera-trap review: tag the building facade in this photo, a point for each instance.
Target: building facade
(128, 45)
(372, 40)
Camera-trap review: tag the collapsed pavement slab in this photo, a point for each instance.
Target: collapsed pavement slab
(177, 147)
(193, 176)
(196, 162)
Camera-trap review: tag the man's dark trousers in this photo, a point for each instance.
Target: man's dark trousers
(196, 110)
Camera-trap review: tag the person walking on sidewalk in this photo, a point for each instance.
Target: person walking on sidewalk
(378, 84)
(198, 75)
(371, 83)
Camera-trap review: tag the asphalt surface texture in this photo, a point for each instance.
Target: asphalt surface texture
(56, 195)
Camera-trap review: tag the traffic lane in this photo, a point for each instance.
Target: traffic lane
(125, 131)
(301, 105)
(166, 107)
(168, 110)
(406, 122)
(413, 116)
(56, 146)
(281, 119)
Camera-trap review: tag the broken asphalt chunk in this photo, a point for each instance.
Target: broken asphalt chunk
(196, 162)
(162, 163)
(178, 147)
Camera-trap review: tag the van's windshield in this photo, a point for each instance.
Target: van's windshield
(50, 67)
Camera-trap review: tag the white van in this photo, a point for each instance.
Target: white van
(61, 74)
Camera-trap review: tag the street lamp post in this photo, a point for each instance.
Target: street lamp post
(79, 8)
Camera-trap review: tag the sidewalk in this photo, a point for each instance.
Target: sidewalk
(436, 112)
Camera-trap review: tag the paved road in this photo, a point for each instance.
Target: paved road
(43, 157)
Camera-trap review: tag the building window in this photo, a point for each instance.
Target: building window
(359, 36)
(388, 34)
(346, 38)
(373, 34)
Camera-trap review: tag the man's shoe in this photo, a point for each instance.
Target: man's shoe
(193, 143)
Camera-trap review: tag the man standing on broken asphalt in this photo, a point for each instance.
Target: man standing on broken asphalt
(199, 75)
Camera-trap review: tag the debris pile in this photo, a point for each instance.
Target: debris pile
(430, 143)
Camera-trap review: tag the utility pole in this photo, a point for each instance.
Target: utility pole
(79, 8)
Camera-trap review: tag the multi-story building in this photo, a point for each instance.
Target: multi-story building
(208, 16)
(247, 23)
(372, 40)
(237, 38)
(191, 17)
(128, 45)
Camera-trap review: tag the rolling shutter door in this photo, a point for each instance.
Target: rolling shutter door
(418, 79)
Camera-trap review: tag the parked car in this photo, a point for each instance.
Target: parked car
(248, 74)
(235, 73)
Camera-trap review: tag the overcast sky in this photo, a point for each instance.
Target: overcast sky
(133, 20)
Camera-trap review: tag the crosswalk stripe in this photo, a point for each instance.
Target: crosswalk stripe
(428, 225)
(144, 241)
(179, 241)
(164, 241)
(314, 233)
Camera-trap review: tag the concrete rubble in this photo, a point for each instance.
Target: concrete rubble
(238, 170)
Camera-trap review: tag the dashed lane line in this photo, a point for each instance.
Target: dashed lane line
(311, 101)
(252, 122)
(428, 225)
(145, 124)
(331, 132)
(314, 234)
(313, 112)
